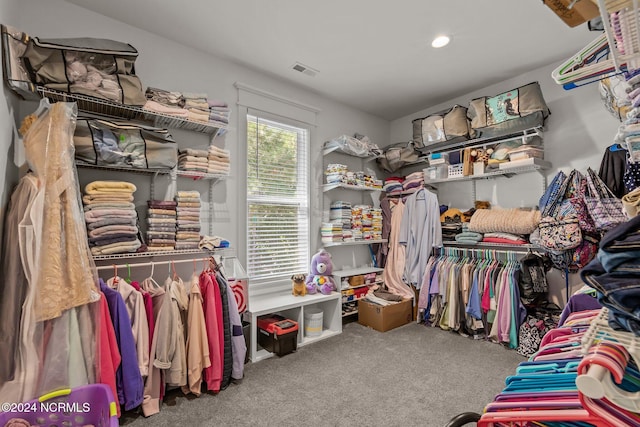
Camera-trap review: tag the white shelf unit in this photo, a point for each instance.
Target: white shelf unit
(293, 307)
(446, 147)
(356, 271)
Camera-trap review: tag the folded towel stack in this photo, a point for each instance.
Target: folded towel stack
(187, 105)
(469, 237)
(218, 111)
(193, 160)
(414, 180)
(161, 225)
(392, 184)
(111, 218)
(219, 160)
(188, 223)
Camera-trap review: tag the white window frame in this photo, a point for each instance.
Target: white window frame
(304, 203)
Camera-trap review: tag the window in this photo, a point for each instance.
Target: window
(277, 199)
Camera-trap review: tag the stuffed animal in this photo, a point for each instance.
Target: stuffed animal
(299, 285)
(319, 279)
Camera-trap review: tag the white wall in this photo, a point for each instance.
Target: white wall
(166, 64)
(577, 133)
(9, 174)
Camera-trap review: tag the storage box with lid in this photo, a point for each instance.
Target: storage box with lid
(278, 334)
(437, 172)
(526, 152)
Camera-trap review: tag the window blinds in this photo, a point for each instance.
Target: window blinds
(277, 198)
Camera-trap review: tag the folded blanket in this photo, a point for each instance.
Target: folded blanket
(469, 235)
(193, 166)
(196, 104)
(109, 205)
(109, 229)
(187, 199)
(161, 221)
(117, 248)
(504, 241)
(219, 152)
(162, 204)
(155, 241)
(181, 209)
(508, 236)
(190, 205)
(165, 109)
(194, 152)
(155, 211)
(160, 235)
(158, 216)
(97, 215)
(195, 95)
(114, 238)
(159, 248)
(188, 228)
(99, 198)
(197, 116)
(216, 103)
(187, 158)
(186, 245)
(214, 158)
(187, 235)
(106, 187)
(161, 228)
(225, 164)
(504, 220)
(106, 221)
(631, 203)
(191, 219)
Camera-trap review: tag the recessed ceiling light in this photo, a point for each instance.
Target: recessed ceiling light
(440, 41)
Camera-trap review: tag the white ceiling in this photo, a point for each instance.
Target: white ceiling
(372, 55)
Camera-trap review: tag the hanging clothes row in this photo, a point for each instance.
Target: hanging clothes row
(473, 292)
(172, 335)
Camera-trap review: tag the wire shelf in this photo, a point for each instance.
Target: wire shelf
(356, 242)
(113, 109)
(124, 169)
(201, 175)
(329, 187)
(153, 254)
(508, 172)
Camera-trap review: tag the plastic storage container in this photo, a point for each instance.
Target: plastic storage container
(433, 173)
(278, 334)
(312, 322)
(526, 152)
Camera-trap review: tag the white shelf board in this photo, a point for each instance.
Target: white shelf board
(351, 313)
(333, 186)
(201, 175)
(326, 333)
(357, 271)
(276, 302)
(357, 242)
(496, 173)
(338, 149)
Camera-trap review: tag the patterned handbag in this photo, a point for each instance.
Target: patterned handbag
(579, 191)
(553, 193)
(560, 234)
(604, 208)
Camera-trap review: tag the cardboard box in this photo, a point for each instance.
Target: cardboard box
(385, 318)
(581, 12)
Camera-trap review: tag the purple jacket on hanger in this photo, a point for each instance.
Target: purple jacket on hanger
(129, 382)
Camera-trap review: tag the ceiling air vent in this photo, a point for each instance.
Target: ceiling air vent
(304, 69)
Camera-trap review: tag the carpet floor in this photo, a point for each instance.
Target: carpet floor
(410, 376)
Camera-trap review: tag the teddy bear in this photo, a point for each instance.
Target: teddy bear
(319, 279)
(299, 285)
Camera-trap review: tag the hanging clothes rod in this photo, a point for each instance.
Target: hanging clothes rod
(150, 263)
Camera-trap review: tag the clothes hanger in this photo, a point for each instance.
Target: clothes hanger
(128, 273)
(587, 66)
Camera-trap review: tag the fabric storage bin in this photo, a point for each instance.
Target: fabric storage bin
(513, 111)
(356, 280)
(313, 318)
(109, 143)
(100, 68)
(448, 125)
(14, 44)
